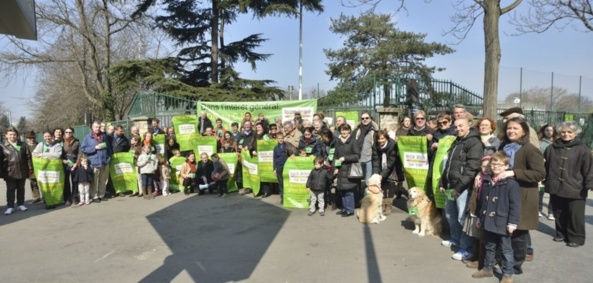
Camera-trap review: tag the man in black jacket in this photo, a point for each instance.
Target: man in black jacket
(463, 163)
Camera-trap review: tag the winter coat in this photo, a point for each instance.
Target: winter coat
(82, 175)
(350, 150)
(222, 170)
(121, 145)
(463, 162)
(44, 150)
(147, 163)
(15, 164)
(71, 151)
(312, 147)
(390, 153)
(293, 137)
(318, 179)
(246, 140)
(367, 141)
(569, 169)
(185, 171)
(493, 144)
(440, 133)
(205, 170)
(203, 124)
(281, 154)
(97, 158)
(500, 205)
(529, 170)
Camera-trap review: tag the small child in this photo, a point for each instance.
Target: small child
(165, 171)
(499, 210)
(221, 175)
(83, 175)
(147, 165)
(316, 184)
(281, 153)
(176, 153)
(226, 147)
(302, 151)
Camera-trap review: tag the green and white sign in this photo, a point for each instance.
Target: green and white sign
(413, 151)
(440, 160)
(185, 126)
(296, 172)
(50, 179)
(123, 172)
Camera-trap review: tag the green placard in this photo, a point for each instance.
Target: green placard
(265, 159)
(351, 118)
(440, 160)
(123, 172)
(159, 141)
(50, 179)
(413, 152)
(231, 160)
(250, 172)
(185, 126)
(568, 117)
(230, 112)
(296, 171)
(204, 144)
(176, 163)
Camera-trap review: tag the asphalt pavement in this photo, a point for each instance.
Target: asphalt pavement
(241, 239)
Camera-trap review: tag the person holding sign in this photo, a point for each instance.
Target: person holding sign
(462, 166)
(310, 143)
(15, 167)
(48, 148)
(347, 152)
(187, 174)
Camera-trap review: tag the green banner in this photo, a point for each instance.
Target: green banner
(231, 160)
(296, 171)
(185, 126)
(159, 141)
(413, 151)
(233, 111)
(204, 144)
(440, 160)
(351, 118)
(250, 172)
(265, 159)
(176, 163)
(50, 179)
(123, 172)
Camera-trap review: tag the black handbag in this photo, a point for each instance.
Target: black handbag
(355, 171)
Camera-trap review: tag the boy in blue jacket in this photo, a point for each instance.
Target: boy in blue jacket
(499, 209)
(281, 153)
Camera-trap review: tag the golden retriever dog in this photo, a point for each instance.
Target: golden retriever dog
(426, 219)
(371, 206)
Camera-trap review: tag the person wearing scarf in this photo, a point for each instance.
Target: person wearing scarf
(71, 148)
(15, 167)
(347, 152)
(187, 174)
(384, 155)
(97, 147)
(364, 136)
(527, 167)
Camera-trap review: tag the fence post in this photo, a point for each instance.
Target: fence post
(552, 94)
(521, 87)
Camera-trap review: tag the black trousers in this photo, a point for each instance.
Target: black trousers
(570, 218)
(15, 187)
(519, 244)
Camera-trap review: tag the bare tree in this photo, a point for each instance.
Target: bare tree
(77, 45)
(544, 14)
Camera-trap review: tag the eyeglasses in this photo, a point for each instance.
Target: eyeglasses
(497, 164)
(420, 118)
(365, 118)
(443, 122)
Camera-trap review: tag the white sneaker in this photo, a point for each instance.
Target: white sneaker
(448, 243)
(22, 208)
(9, 211)
(551, 217)
(539, 214)
(461, 255)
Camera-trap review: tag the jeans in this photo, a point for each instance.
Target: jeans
(147, 180)
(519, 244)
(317, 196)
(15, 187)
(280, 177)
(347, 200)
(492, 241)
(223, 186)
(455, 214)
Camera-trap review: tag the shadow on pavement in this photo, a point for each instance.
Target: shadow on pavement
(32, 211)
(374, 275)
(215, 239)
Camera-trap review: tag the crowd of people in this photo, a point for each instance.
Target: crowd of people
(494, 183)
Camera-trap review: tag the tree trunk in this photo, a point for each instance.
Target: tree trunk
(214, 39)
(492, 62)
(108, 102)
(301, 50)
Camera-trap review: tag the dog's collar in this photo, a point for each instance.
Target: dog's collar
(377, 191)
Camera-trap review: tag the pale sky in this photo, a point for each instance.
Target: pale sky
(568, 53)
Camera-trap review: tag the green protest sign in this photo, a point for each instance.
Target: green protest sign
(440, 160)
(159, 141)
(176, 163)
(250, 172)
(230, 112)
(265, 159)
(185, 126)
(201, 144)
(413, 151)
(123, 172)
(296, 171)
(50, 179)
(351, 117)
(231, 160)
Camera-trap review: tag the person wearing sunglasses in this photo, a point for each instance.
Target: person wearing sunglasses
(443, 129)
(70, 151)
(364, 135)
